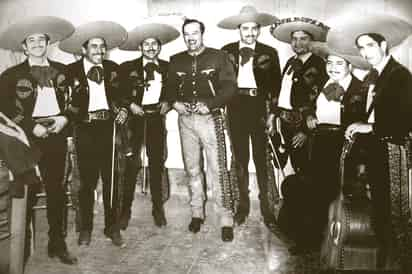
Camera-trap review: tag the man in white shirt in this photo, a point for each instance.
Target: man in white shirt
(142, 81)
(96, 106)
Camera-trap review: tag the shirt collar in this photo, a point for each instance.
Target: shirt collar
(382, 64)
(344, 83)
(145, 61)
(45, 63)
(88, 65)
(304, 57)
(243, 45)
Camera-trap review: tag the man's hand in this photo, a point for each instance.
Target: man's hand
(59, 123)
(299, 139)
(180, 108)
(357, 128)
(121, 117)
(136, 109)
(164, 108)
(40, 131)
(270, 125)
(12, 129)
(202, 108)
(311, 122)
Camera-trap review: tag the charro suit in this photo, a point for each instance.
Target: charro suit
(94, 142)
(19, 91)
(134, 85)
(247, 115)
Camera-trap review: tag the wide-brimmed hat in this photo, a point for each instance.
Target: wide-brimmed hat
(324, 50)
(282, 29)
(392, 28)
(112, 33)
(56, 28)
(247, 14)
(163, 32)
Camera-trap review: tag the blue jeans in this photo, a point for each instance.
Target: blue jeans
(197, 134)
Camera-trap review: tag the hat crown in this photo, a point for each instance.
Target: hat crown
(248, 10)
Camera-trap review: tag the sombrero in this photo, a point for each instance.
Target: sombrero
(56, 28)
(113, 34)
(164, 33)
(283, 28)
(247, 14)
(343, 36)
(325, 49)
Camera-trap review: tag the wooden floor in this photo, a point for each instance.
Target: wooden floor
(174, 249)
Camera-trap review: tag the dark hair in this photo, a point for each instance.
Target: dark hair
(45, 35)
(157, 39)
(308, 33)
(190, 21)
(86, 44)
(378, 38)
(258, 25)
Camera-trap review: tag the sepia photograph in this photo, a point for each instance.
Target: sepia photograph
(205, 137)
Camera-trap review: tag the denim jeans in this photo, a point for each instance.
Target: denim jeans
(198, 135)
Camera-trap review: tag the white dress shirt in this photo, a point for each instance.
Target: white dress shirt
(246, 77)
(151, 95)
(97, 92)
(328, 112)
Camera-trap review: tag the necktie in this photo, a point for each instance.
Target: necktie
(150, 68)
(245, 54)
(43, 75)
(95, 74)
(333, 91)
(296, 65)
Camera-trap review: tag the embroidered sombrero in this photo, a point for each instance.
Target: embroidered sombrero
(164, 33)
(56, 28)
(282, 29)
(247, 14)
(343, 36)
(113, 34)
(325, 49)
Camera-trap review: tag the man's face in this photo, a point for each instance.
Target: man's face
(300, 42)
(371, 50)
(95, 50)
(193, 37)
(337, 67)
(35, 45)
(150, 48)
(249, 32)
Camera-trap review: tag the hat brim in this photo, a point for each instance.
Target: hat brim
(393, 29)
(112, 33)
(233, 22)
(164, 33)
(324, 50)
(283, 32)
(56, 28)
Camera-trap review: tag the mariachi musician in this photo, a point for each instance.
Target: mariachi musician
(96, 108)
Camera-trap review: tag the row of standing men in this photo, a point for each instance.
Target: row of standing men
(95, 95)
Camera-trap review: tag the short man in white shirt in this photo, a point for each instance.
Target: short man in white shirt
(142, 80)
(96, 103)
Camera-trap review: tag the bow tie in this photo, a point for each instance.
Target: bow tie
(333, 91)
(95, 74)
(245, 54)
(296, 65)
(43, 75)
(371, 77)
(150, 68)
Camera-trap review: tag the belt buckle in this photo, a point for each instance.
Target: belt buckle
(253, 92)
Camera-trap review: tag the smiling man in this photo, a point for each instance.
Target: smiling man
(143, 82)
(201, 81)
(96, 103)
(258, 79)
(34, 94)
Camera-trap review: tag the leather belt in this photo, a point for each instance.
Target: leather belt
(99, 115)
(151, 109)
(328, 127)
(248, 91)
